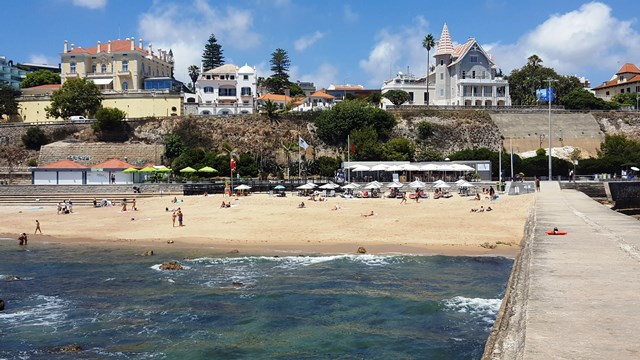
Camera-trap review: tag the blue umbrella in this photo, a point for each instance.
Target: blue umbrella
(279, 187)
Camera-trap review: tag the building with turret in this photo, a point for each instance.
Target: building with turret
(462, 75)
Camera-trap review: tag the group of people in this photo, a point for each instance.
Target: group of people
(65, 207)
(225, 205)
(482, 209)
(177, 215)
(22, 239)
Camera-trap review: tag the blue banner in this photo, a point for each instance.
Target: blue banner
(543, 95)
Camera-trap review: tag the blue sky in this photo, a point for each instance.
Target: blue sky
(354, 42)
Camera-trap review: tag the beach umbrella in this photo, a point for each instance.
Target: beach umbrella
(410, 167)
(442, 185)
(466, 184)
(188, 169)
(306, 186)
(130, 170)
(242, 187)
(430, 167)
(279, 187)
(207, 169)
(163, 169)
(417, 184)
(376, 183)
(372, 186)
(350, 186)
(149, 169)
(437, 182)
(329, 186)
(394, 184)
(394, 168)
(361, 168)
(379, 167)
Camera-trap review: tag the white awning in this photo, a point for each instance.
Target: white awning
(102, 81)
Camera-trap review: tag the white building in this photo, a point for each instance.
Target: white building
(319, 100)
(463, 75)
(225, 90)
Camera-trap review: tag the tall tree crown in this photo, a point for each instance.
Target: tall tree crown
(212, 55)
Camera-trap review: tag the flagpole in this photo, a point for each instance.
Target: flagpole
(511, 145)
(299, 158)
(348, 160)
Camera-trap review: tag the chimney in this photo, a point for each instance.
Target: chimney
(150, 49)
(99, 48)
(159, 53)
(133, 43)
(140, 43)
(66, 46)
(72, 46)
(109, 47)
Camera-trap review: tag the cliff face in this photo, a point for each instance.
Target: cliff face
(627, 123)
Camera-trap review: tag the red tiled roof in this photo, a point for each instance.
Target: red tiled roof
(113, 164)
(116, 46)
(348, 87)
(46, 86)
(616, 82)
(63, 164)
(628, 68)
(275, 97)
(322, 94)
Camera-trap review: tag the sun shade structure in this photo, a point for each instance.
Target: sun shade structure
(207, 169)
(188, 170)
(242, 187)
(149, 169)
(130, 170)
(162, 169)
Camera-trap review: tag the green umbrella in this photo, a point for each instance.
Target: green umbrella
(164, 170)
(130, 170)
(207, 169)
(188, 169)
(149, 169)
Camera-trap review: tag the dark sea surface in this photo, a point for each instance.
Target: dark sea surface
(118, 305)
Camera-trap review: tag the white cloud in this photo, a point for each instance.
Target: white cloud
(306, 41)
(395, 52)
(41, 59)
(350, 15)
(573, 42)
(186, 29)
(91, 4)
(324, 75)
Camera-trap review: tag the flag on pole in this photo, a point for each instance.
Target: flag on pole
(352, 148)
(232, 164)
(303, 144)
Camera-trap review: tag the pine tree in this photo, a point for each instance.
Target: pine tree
(212, 55)
(280, 66)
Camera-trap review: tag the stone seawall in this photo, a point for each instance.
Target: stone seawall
(21, 190)
(626, 195)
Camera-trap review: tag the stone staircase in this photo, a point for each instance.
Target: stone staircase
(77, 199)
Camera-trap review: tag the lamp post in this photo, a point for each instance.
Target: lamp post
(549, 81)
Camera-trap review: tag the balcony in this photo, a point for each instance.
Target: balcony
(99, 74)
(71, 75)
(479, 81)
(124, 73)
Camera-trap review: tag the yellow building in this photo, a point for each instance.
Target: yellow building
(116, 66)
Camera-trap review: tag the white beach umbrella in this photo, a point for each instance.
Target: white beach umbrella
(353, 166)
(350, 186)
(466, 184)
(410, 167)
(394, 168)
(307, 186)
(242, 187)
(361, 168)
(437, 182)
(430, 167)
(460, 181)
(372, 186)
(417, 184)
(329, 186)
(394, 184)
(379, 167)
(443, 185)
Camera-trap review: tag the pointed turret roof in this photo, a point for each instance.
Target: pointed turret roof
(445, 46)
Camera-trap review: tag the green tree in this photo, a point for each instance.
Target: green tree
(212, 55)
(194, 72)
(582, 99)
(327, 166)
(374, 98)
(428, 43)
(397, 97)
(335, 124)
(173, 147)
(366, 144)
(34, 138)
(399, 149)
(620, 149)
(40, 77)
(190, 132)
(8, 103)
(110, 125)
(270, 109)
(280, 63)
(426, 155)
(626, 99)
(75, 97)
(425, 130)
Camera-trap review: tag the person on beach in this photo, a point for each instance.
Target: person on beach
(22, 239)
(95, 203)
(180, 217)
(336, 207)
(133, 205)
(404, 198)
(124, 204)
(37, 228)
(59, 208)
(369, 214)
(223, 205)
(537, 182)
(174, 216)
(301, 206)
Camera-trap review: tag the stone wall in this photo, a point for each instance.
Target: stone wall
(626, 195)
(18, 190)
(93, 153)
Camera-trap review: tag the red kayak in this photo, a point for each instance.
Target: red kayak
(551, 232)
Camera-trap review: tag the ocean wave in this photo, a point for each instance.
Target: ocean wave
(41, 310)
(294, 261)
(481, 309)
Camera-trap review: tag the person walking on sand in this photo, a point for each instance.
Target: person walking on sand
(537, 182)
(404, 198)
(174, 216)
(180, 217)
(37, 228)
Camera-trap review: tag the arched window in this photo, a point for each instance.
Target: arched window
(94, 68)
(125, 86)
(103, 68)
(245, 91)
(208, 90)
(72, 68)
(205, 112)
(125, 65)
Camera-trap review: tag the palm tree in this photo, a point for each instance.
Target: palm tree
(428, 43)
(194, 72)
(288, 150)
(271, 109)
(534, 61)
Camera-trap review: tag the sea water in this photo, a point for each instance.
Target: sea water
(116, 304)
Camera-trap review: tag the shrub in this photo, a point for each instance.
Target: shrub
(34, 138)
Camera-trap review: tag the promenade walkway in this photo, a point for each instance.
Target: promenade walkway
(578, 295)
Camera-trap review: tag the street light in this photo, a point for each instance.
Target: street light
(549, 81)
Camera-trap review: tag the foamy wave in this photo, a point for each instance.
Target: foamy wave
(157, 267)
(293, 261)
(482, 309)
(46, 311)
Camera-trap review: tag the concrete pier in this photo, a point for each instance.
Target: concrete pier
(575, 296)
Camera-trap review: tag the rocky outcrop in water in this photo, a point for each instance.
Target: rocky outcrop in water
(1, 304)
(73, 348)
(171, 265)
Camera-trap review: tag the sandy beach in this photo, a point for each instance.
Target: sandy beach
(263, 225)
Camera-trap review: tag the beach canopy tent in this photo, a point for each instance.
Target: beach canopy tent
(242, 187)
(63, 172)
(188, 170)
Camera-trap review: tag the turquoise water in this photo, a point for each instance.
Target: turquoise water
(117, 305)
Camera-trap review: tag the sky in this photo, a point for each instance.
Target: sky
(332, 41)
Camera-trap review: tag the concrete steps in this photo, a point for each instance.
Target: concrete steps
(77, 199)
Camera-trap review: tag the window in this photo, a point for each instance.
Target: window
(245, 77)
(227, 92)
(425, 97)
(125, 86)
(473, 58)
(410, 96)
(441, 92)
(484, 74)
(208, 90)
(245, 91)
(94, 68)
(232, 77)
(473, 74)
(628, 90)
(464, 74)
(441, 76)
(72, 68)
(441, 62)
(125, 65)
(621, 91)
(607, 93)
(103, 68)
(208, 77)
